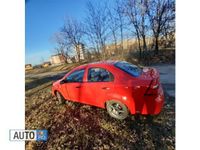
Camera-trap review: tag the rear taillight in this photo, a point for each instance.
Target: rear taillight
(152, 89)
(154, 84)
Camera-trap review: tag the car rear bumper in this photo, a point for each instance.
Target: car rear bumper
(153, 104)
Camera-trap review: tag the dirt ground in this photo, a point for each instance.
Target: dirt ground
(78, 126)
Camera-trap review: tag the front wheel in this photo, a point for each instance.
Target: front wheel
(117, 109)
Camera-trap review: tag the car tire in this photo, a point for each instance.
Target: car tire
(60, 98)
(117, 109)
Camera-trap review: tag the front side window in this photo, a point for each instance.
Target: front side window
(76, 76)
(99, 75)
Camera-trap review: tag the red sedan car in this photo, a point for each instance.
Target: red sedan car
(120, 87)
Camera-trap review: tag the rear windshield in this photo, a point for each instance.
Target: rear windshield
(129, 68)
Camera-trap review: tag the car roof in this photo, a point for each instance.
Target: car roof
(98, 63)
(106, 62)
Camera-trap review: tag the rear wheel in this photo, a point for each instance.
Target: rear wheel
(60, 98)
(117, 109)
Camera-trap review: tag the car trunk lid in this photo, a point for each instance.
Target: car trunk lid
(152, 75)
(145, 87)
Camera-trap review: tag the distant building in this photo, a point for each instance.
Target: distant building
(46, 64)
(81, 50)
(28, 67)
(57, 59)
(69, 60)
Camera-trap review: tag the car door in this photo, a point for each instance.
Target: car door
(73, 84)
(98, 83)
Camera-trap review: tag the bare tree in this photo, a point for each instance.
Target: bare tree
(147, 19)
(62, 46)
(168, 34)
(135, 10)
(120, 17)
(73, 33)
(93, 43)
(113, 26)
(161, 14)
(96, 24)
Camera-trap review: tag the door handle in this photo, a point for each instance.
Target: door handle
(78, 86)
(105, 88)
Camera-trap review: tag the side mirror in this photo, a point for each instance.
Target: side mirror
(63, 81)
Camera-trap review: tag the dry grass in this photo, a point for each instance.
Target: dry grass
(86, 127)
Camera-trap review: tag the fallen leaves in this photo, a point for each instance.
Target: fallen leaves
(78, 126)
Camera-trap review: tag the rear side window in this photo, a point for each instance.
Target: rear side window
(76, 76)
(129, 68)
(99, 75)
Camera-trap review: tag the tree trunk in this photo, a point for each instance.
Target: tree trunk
(139, 46)
(156, 45)
(103, 49)
(122, 41)
(144, 43)
(64, 55)
(78, 53)
(146, 57)
(115, 40)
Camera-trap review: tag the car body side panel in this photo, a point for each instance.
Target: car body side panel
(72, 91)
(122, 93)
(125, 88)
(94, 93)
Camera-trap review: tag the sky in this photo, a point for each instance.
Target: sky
(43, 18)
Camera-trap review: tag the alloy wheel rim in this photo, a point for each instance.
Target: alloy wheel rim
(116, 109)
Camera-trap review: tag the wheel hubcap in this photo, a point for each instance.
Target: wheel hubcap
(116, 109)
